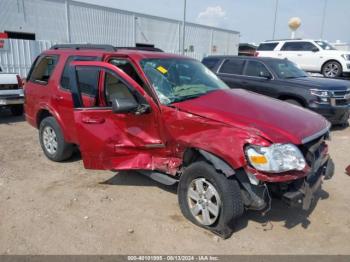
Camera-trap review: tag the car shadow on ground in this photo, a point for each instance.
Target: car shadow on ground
(279, 211)
(7, 118)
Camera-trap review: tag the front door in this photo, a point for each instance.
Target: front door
(115, 141)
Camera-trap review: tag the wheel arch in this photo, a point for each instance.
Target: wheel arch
(44, 112)
(331, 60)
(297, 98)
(194, 154)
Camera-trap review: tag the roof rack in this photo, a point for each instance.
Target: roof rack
(141, 48)
(84, 46)
(283, 39)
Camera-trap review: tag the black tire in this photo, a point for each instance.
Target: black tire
(229, 191)
(332, 69)
(64, 150)
(293, 102)
(17, 110)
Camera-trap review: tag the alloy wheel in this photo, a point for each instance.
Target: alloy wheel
(331, 70)
(50, 140)
(204, 201)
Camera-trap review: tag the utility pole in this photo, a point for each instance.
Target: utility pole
(275, 20)
(323, 17)
(184, 29)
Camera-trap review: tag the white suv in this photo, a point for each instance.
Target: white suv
(311, 55)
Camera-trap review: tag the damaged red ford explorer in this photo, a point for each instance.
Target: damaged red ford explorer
(170, 118)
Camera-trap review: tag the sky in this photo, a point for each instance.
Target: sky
(254, 19)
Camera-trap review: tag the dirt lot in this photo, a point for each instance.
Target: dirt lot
(61, 208)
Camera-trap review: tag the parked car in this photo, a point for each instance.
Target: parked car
(282, 79)
(311, 55)
(11, 92)
(172, 119)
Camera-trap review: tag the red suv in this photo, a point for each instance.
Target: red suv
(172, 119)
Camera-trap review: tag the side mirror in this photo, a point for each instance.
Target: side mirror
(124, 105)
(315, 49)
(265, 75)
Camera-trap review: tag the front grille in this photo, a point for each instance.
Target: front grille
(8, 86)
(341, 98)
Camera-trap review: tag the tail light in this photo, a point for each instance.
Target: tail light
(256, 54)
(20, 82)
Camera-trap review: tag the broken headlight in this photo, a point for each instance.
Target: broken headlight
(276, 158)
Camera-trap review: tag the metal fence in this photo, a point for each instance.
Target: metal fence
(69, 21)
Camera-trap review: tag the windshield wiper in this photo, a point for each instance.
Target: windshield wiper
(184, 98)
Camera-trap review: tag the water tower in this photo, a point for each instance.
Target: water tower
(294, 23)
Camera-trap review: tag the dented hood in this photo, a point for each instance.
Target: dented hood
(275, 120)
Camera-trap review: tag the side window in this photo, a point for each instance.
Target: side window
(87, 79)
(115, 88)
(43, 69)
(232, 66)
(210, 62)
(298, 46)
(256, 69)
(128, 69)
(65, 75)
(267, 46)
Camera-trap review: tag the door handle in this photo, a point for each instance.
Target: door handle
(88, 120)
(58, 98)
(300, 55)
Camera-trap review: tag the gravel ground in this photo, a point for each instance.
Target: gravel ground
(61, 208)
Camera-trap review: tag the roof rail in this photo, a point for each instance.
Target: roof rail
(84, 46)
(141, 48)
(283, 39)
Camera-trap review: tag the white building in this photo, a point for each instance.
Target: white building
(68, 21)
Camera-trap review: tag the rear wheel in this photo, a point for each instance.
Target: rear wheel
(17, 110)
(209, 199)
(332, 69)
(52, 141)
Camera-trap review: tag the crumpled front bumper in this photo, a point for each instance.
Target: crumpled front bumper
(302, 193)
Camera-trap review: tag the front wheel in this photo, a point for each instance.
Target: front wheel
(332, 69)
(209, 199)
(52, 141)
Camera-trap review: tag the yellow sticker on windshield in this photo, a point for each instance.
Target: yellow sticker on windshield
(162, 70)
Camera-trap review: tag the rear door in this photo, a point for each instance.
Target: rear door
(302, 53)
(62, 99)
(231, 72)
(115, 141)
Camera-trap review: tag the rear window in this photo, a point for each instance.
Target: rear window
(43, 69)
(210, 62)
(267, 46)
(232, 66)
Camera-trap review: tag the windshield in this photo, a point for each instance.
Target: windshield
(325, 46)
(177, 79)
(285, 69)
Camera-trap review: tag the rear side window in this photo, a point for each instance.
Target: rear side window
(43, 69)
(65, 75)
(232, 66)
(87, 78)
(297, 46)
(211, 62)
(267, 46)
